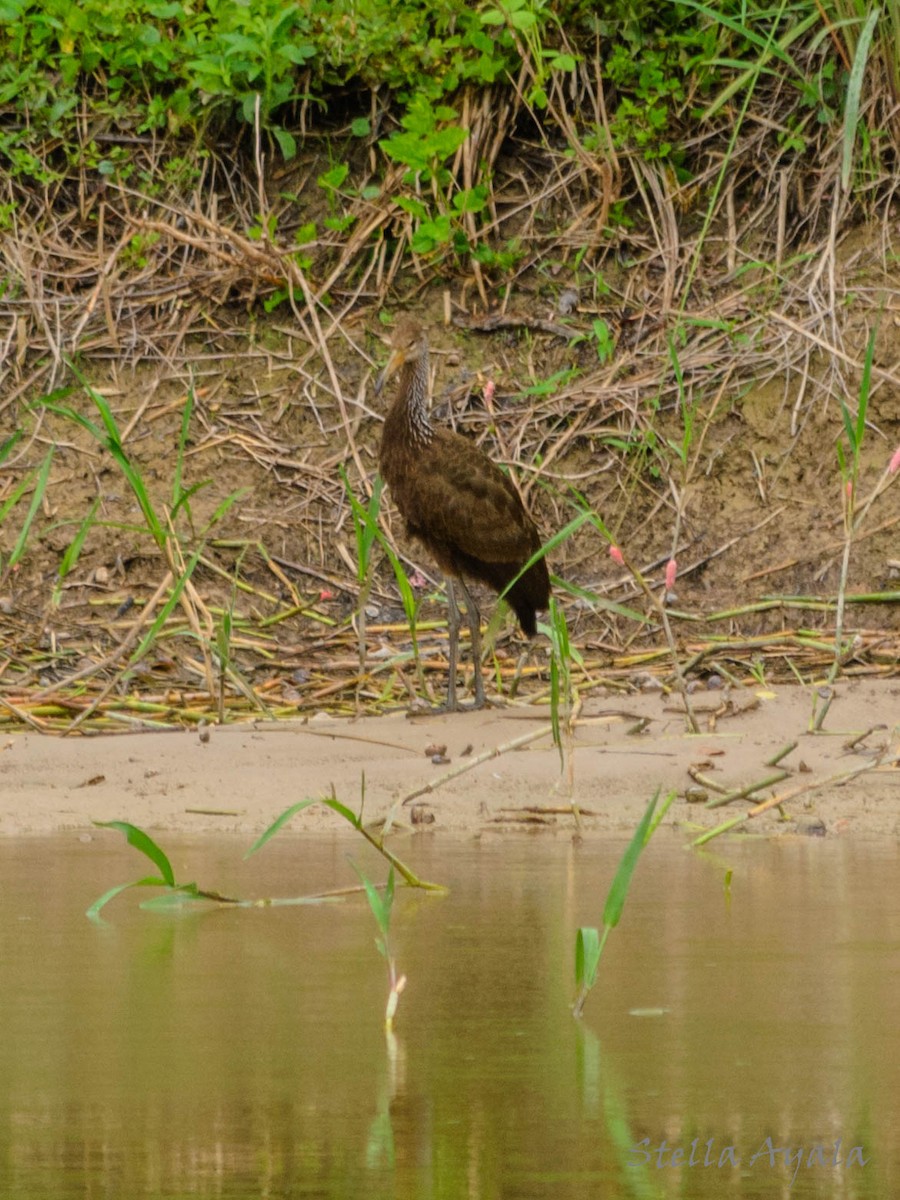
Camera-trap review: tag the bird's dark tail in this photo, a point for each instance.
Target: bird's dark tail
(528, 596)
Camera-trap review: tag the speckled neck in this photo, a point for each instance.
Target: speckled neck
(413, 398)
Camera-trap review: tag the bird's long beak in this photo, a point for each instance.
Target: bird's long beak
(394, 363)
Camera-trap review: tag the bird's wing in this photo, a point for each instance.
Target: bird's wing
(467, 502)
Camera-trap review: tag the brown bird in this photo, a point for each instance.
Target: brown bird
(457, 503)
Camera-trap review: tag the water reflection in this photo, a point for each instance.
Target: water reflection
(241, 1053)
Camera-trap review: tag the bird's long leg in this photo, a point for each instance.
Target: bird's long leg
(474, 618)
(452, 653)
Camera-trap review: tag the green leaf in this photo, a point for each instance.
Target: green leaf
(849, 427)
(279, 823)
(332, 180)
(150, 881)
(73, 550)
(379, 904)
(287, 143)
(361, 127)
(414, 207)
(854, 90)
(587, 956)
(7, 446)
(615, 900)
(297, 54)
(143, 842)
(329, 801)
(36, 497)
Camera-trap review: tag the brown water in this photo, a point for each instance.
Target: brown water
(237, 1054)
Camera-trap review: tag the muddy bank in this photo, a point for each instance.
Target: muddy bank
(241, 777)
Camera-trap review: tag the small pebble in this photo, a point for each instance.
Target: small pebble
(650, 684)
(101, 575)
(6, 606)
(715, 683)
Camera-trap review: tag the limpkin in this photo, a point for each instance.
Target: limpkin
(457, 503)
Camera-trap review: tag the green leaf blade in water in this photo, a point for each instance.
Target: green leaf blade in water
(93, 913)
(587, 956)
(615, 900)
(143, 842)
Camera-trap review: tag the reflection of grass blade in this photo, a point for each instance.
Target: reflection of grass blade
(37, 496)
(143, 842)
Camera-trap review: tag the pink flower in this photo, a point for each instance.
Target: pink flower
(616, 555)
(894, 464)
(489, 388)
(671, 572)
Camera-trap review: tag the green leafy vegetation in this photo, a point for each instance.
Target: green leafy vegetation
(589, 942)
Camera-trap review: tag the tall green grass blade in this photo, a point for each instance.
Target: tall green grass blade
(864, 389)
(279, 823)
(36, 497)
(854, 92)
(380, 905)
(660, 815)
(581, 593)
(550, 545)
(329, 801)
(111, 441)
(615, 900)
(178, 496)
(143, 842)
(73, 550)
(365, 521)
(186, 496)
(769, 48)
(7, 446)
(342, 810)
(849, 427)
(18, 492)
(554, 705)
